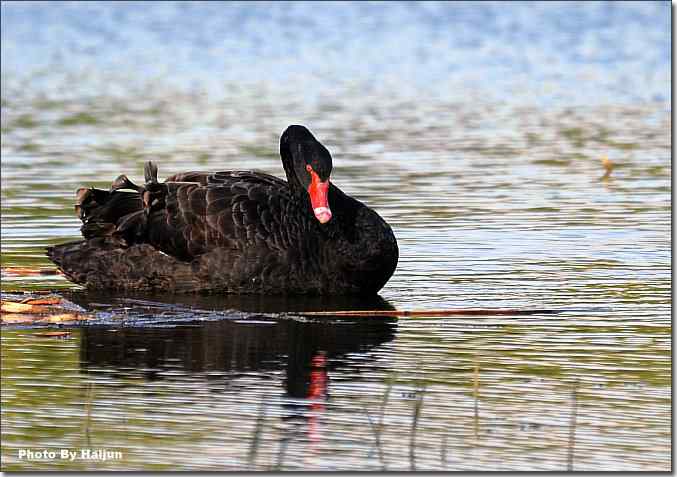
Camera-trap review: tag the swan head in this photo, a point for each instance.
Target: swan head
(311, 167)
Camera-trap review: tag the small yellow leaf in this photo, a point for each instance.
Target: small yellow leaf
(608, 166)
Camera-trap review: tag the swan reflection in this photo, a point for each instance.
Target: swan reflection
(249, 341)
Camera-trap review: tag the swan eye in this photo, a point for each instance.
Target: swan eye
(309, 168)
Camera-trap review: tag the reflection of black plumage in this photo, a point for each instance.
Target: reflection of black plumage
(229, 346)
(233, 232)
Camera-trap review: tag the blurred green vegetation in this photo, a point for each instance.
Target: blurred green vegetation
(78, 119)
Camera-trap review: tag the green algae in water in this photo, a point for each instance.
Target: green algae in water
(25, 121)
(78, 119)
(575, 135)
(28, 147)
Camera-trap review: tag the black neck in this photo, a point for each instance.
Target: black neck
(288, 165)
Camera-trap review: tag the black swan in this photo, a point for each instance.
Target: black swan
(232, 232)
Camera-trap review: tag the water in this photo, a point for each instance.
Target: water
(476, 130)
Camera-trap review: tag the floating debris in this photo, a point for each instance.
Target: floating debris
(40, 310)
(53, 334)
(40, 305)
(29, 272)
(31, 318)
(18, 307)
(52, 300)
(35, 308)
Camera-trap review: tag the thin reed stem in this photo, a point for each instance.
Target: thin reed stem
(414, 425)
(572, 426)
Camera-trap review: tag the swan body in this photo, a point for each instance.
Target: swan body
(232, 232)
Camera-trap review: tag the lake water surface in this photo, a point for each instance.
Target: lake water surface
(477, 130)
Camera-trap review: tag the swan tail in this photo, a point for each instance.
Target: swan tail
(121, 211)
(109, 263)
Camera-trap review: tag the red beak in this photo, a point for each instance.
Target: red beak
(318, 192)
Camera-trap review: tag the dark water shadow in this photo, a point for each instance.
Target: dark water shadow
(224, 335)
(243, 303)
(233, 346)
